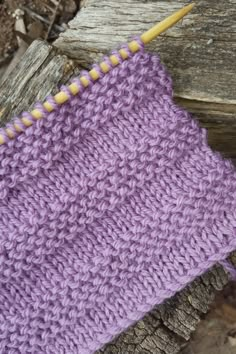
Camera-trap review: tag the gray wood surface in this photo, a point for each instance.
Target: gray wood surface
(168, 327)
(200, 53)
(40, 72)
(204, 80)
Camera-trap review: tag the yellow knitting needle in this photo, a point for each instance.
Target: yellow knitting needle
(146, 37)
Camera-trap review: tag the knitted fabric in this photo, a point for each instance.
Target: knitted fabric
(109, 205)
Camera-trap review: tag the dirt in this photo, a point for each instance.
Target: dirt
(45, 9)
(8, 42)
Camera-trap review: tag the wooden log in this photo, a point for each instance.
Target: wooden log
(200, 53)
(40, 72)
(168, 327)
(204, 82)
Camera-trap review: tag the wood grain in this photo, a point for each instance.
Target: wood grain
(168, 327)
(199, 52)
(40, 72)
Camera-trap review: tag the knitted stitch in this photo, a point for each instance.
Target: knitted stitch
(109, 205)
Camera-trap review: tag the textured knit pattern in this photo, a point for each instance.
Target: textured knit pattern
(109, 205)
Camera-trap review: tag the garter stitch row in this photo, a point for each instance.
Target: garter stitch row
(109, 205)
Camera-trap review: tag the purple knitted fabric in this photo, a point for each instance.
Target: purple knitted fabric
(109, 205)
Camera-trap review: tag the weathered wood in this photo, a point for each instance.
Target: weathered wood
(204, 80)
(167, 328)
(200, 53)
(220, 121)
(39, 73)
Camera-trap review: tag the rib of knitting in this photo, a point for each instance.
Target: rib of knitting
(109, 205)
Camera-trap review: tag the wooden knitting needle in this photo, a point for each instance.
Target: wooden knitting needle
(146, 37)
(133, 46)
(62, 97)
(162, 26)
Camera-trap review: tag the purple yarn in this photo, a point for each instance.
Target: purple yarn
(109, 205)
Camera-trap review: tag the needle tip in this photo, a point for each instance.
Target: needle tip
(191, 5)
(166, 24)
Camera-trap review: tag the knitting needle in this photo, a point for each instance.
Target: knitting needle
(146, 37)
(62, 97)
